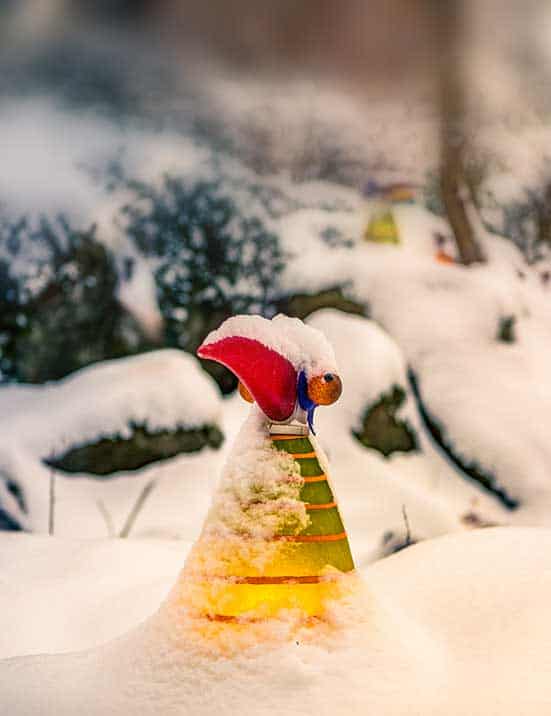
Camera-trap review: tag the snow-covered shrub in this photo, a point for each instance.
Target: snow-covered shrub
(381, 427)
(214, 258)
(522, 219)
(140, 447)
(129, 414)
(470, 467)
(302, 305)
(59, 308)
(506, 329)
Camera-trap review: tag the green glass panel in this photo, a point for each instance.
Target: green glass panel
(324, 522)
(318, 555)
(382, 229)
(296, 446)
(310, 467)
(316, 492)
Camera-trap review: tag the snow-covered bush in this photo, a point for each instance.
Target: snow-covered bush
(382, 429)
(525, 219)
(214, 258)
(142, 446)
(107, 419)
(58, 301)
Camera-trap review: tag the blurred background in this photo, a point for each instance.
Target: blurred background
(380, 169)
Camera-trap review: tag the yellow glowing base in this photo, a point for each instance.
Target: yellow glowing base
(222, 600)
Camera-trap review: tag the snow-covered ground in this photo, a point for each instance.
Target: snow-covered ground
(451, 626)
(441, 321)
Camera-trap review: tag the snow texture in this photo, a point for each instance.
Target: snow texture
(163, 389)
(258, 493)
(305, 347)
(430, 632)
(445, 321)
(102, 400)
(441, 321)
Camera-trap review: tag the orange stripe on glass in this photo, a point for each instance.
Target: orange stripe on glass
(288, 437)
(311, 538)
(311, 620)
(286, 579)
(320, 506)
(315, 478)
(305, 479)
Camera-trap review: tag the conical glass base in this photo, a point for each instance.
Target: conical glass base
(234, 576)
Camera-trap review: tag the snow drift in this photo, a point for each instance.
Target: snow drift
(435, 632)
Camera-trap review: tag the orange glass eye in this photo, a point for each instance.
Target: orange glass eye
(325, 389)
(244, 393)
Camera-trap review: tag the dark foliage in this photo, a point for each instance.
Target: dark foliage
(214, 259)
(333, 237)
(110, 455)
(382, 430)
(506, 332)
(58, 305)
(301, 305)
(526, 222)
(86, 71)
(8, 521)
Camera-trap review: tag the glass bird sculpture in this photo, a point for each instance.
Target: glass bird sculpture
(273, 539)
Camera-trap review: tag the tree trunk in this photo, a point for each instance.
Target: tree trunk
(454, 182)
(544, 217)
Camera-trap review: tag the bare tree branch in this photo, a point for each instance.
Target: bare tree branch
(51, 504)
(138, 506)
(107, 518)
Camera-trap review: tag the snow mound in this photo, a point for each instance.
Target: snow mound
(435, 631)
(161, 390)
(487, 393)
(494, 419)
(372, 368)
(379, 494)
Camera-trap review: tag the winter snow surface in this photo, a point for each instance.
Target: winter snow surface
(456, 624)
(434, 630)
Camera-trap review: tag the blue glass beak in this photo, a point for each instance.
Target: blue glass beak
(304, 401)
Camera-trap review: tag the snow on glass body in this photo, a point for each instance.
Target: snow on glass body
(273, 539)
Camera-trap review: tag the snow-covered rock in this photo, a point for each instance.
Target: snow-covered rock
(161, 390)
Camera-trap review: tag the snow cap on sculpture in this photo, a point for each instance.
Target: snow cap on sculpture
(285, 366)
